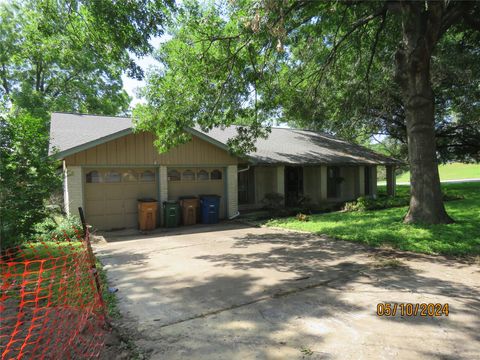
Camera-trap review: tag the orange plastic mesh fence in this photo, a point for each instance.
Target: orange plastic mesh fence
(50, 307)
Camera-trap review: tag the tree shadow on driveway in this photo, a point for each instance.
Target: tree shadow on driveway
(268, 294)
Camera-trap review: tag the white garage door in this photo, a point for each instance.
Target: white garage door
(111, 196)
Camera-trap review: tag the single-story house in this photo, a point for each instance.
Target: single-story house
(107, 167)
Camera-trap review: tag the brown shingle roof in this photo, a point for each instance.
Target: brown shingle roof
(71, 133)
(292, 146)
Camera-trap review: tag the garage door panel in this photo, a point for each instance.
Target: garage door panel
(95, 208)
(95, 219)
(131, 192)
(114, 205)
(115, 221)
(114, 192)
(94, 192)
(130, 206)
(131, 220)
(145, 190)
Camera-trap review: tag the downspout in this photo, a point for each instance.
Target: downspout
(66, 199)
(246, 169)
(238, 212)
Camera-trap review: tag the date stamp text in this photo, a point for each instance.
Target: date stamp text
(411, 309)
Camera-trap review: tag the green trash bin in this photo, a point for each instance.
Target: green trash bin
(171, 213)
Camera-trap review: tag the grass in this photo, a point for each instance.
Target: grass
(110, 299)
(385, 227)
(44, 267)
(453, 171)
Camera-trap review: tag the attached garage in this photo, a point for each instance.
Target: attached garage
(108, 167)
(196, 181)
(111, 195)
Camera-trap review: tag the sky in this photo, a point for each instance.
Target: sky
(131, 85)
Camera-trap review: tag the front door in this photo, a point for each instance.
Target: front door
(293, 185)
(333, 182)
(246, 181)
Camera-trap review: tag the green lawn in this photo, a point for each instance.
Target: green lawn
(451, 171)
(385, 227)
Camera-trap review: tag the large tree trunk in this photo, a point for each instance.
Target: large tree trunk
(420, 33)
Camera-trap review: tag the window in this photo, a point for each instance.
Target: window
(173, 175)
(113, 177)
(147, 176)
(93, 177)
(202, 175)
(216, 175)
(188, 175)
(129, 176)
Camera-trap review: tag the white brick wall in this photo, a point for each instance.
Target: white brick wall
(74, 187)
(232, 190)
(163, 183)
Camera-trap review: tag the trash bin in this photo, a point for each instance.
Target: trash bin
(147, 214)
(189, 205)
(210, 205)
(171, 213)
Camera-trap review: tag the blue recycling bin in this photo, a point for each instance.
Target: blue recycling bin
(210, 208)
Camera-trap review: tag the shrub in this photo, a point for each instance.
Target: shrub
(273, 201)
(28, 176)
(364, 203)
(60, 229)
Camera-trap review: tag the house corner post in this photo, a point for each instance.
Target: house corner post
(232, 190)
(361, 181)
(163, 190)
(280, 178)
(73, 188)
(323, 182)
(391, 180)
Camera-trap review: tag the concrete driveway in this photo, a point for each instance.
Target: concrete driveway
(237, 292)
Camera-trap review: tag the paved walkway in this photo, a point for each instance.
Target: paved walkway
(236, 292)
(442, 181)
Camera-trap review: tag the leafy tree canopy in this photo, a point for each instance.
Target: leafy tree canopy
(69, 55)
(256, 63)
(338, 66)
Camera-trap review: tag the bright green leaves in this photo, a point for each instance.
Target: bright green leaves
(27, 176)
(210, 76)
(70, 55)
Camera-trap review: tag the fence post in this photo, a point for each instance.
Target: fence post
(86, 238)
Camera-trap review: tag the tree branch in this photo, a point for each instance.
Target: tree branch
(381, 26)
(4, 80)
(333, 52)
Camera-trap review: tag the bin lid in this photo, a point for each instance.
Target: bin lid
(170, 202)
(209, 196)
(147, 200)
(187, 197)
